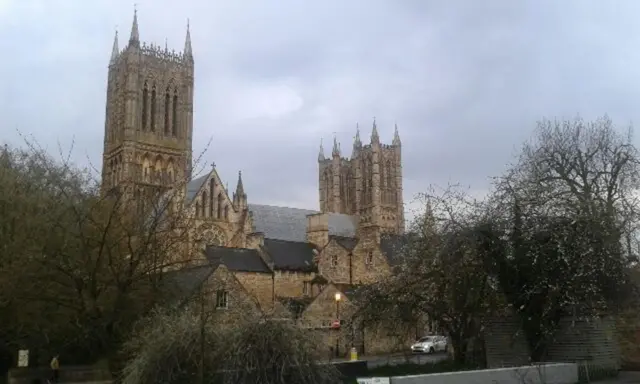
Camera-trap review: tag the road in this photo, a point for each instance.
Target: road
(377, 361)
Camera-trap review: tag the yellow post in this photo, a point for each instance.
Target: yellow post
(354, 354)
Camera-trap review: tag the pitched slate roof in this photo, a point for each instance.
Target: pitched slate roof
(349, 243)
(284, 223)
(392, 247)
(291, 255)
(194, 186)
(237, 259)
(182, 283)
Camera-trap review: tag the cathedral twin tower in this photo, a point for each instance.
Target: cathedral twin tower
(149, 134)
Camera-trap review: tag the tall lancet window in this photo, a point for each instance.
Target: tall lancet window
(370, 181)
(211, 202)
(167, 106)
(145, 106)
(364, 178)
(174, 115)
(204, 203)
(153, 110)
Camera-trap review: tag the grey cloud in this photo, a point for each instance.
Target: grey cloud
(465, 80)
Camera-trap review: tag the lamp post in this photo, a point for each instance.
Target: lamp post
(338, 297)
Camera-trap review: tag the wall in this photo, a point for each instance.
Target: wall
(505, 344)
(628, 327)
(260, 285)
(291, 283)
(338, 273)
(554, 373)
(367, 273)
(593, 340)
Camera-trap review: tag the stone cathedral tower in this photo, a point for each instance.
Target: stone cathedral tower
(149, 117)
(369, 184)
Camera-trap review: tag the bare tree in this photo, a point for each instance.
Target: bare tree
(441, 277)
(167, 349)
(88, 261)
(565, 214)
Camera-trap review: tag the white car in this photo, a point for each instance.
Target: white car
(430, 344)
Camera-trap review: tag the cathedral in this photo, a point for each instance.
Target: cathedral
(276, 255)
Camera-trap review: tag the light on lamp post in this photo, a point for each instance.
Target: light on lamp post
(338, 297)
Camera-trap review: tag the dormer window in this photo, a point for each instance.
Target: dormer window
(334, 260)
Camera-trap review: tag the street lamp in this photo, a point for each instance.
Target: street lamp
(338, 297)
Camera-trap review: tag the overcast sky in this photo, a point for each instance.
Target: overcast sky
(464, 80)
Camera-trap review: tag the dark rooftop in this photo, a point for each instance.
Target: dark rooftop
(291, 255)
(237, 259)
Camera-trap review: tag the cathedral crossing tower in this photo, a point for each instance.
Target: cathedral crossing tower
(369, 184)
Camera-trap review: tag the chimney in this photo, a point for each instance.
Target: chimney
(318, 229)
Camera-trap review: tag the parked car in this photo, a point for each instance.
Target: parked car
(430, 344)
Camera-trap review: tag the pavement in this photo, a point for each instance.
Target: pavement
(395, 359)
(625, 377)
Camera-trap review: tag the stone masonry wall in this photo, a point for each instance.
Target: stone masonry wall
(291, 284)
(368, 263)
(338, 273)
(260, 285)
(593, 341)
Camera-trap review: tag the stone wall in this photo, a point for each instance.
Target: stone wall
(593, 341)
(338, 272)
(291, 284)
(505, 344)
(260, 286)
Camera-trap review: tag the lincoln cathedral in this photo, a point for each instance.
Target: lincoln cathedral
(282, 259)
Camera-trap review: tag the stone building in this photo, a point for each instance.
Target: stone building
(278, 254)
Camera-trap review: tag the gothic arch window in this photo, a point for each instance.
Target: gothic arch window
(369, 180)
(152, 128)
(389, 175)
(146, 168)
(170, 172)
(157, 171)
(197, 209)
(226, 212)
(364, 181)
(348, 192)
(204, 203)
(145, 105)
(343, 191)
(220, 205)
(210, 235)
(174, 115)
(167, 107)
(212, 184)
(327, 188)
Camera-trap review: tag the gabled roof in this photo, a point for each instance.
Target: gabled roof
(290, 224)
(183, 283)
(291, 255)
(237, 259)
(295, 305)
(194, 186)
(348, 243)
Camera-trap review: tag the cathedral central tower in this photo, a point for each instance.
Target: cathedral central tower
(369, 184)
(149, 117)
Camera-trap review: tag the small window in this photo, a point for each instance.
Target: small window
(334, 260)
(305, 288)
(369, 258)
(222, 299)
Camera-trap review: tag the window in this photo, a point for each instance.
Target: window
(226, 211)
(369, 258)
(167, 101)
(305, 288)
(222, 299)
(174, 115)
(334, 260)
(145, 106)
(152, 127)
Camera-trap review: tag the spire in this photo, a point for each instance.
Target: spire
(114, 51)
(374, 133)
(321, 154)
(240, 186)
(134, 39)
(356, 142)
(336, 147)
(396, 137)
(187, 43)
